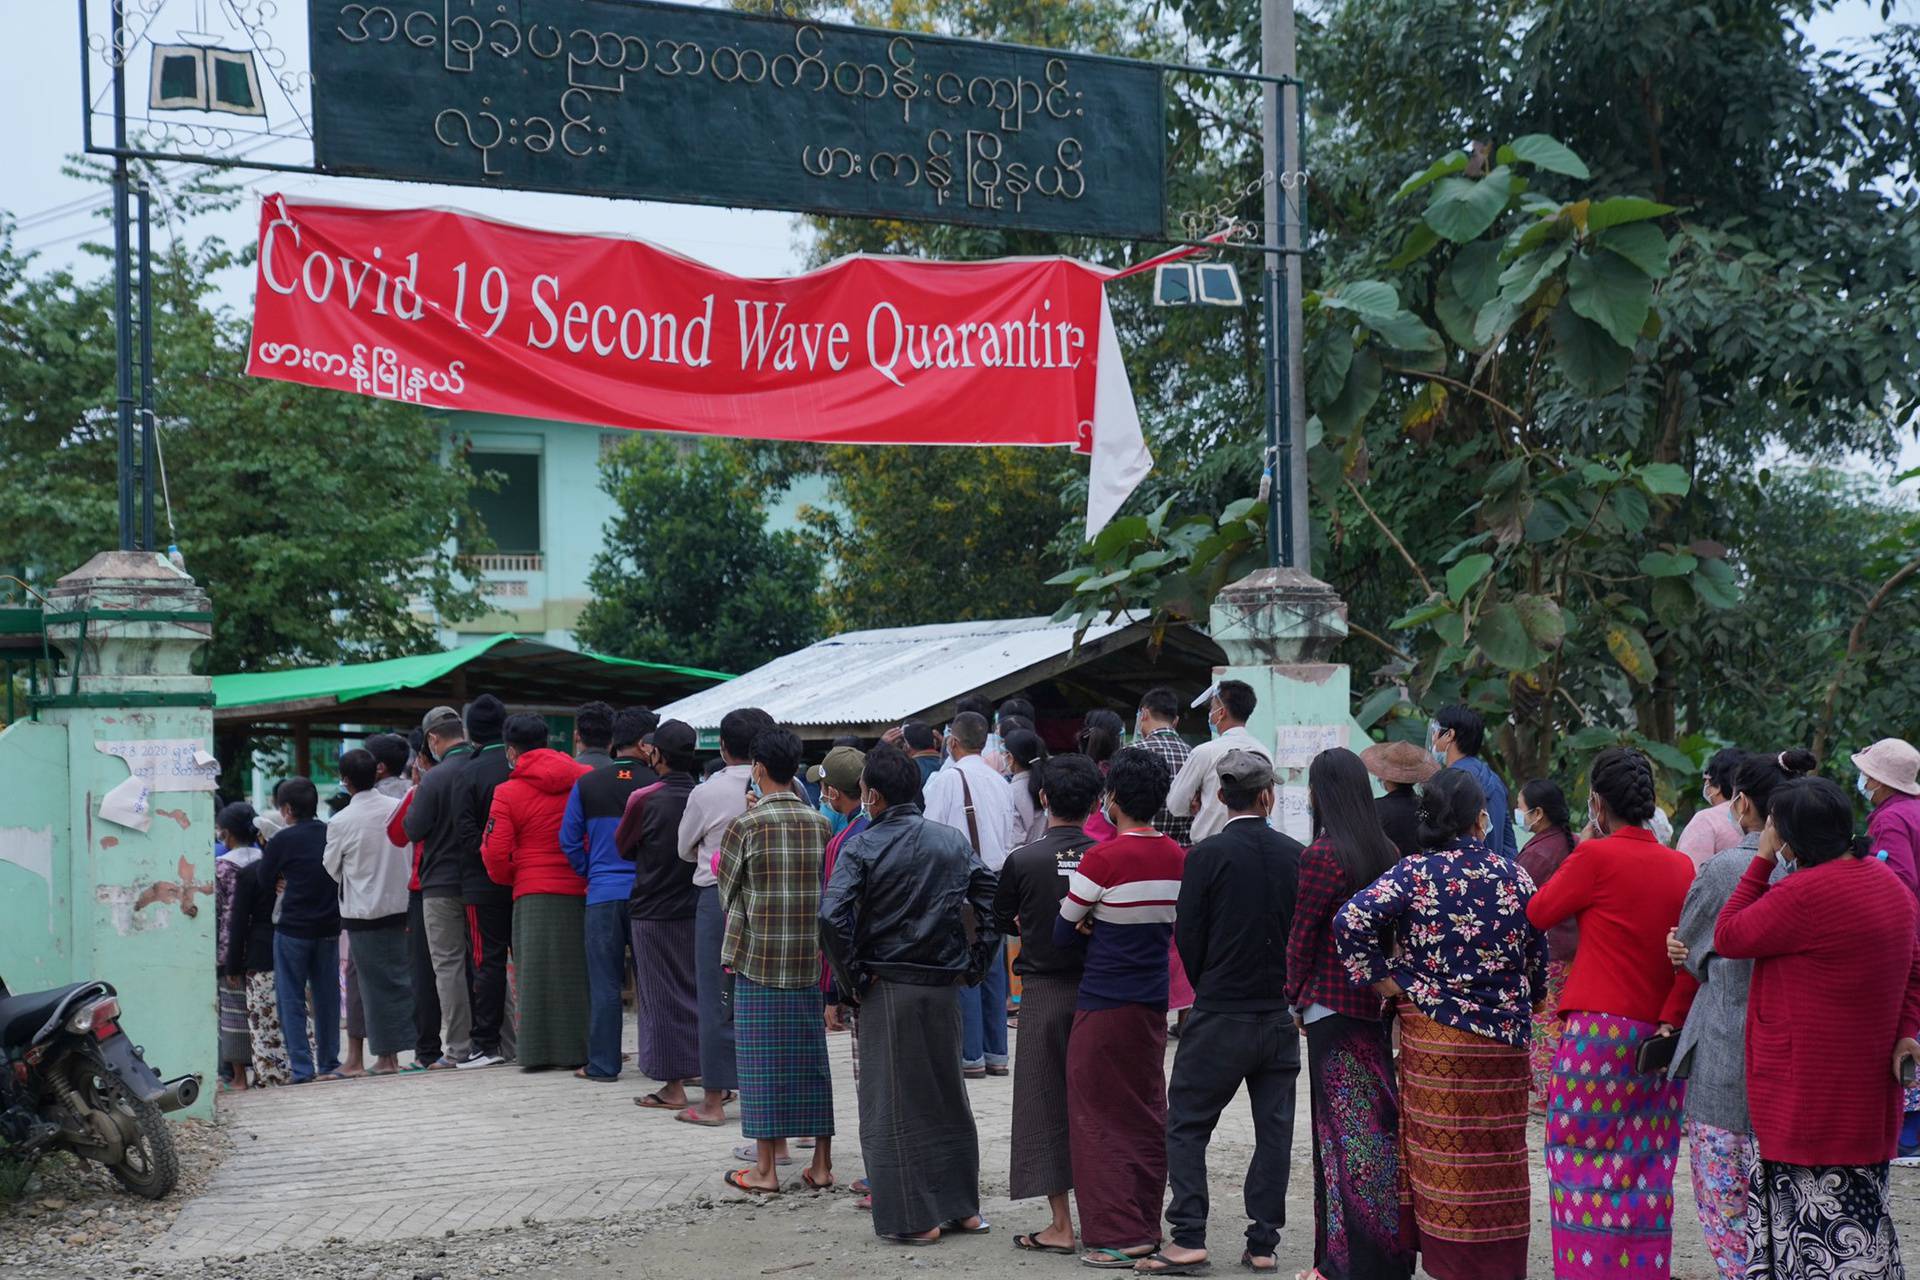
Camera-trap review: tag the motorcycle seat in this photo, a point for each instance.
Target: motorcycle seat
(22, 1016)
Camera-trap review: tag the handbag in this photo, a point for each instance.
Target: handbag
(1656, 1053)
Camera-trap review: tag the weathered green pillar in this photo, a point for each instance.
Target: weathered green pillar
(141, 902)
(1279, 627)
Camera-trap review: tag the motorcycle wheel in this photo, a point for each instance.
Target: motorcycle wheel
(148, 1166)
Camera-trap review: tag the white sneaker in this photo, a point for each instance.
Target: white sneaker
(480, 1059)
(1907, 1162)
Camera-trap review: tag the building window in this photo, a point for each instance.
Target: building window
(510, 512)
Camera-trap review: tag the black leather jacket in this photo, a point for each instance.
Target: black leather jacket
(904, 895)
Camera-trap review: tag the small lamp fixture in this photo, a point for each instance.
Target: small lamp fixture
(1207, 284)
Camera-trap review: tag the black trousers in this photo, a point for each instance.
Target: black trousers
(491, 924)
(426, 997)
(1219, 1051)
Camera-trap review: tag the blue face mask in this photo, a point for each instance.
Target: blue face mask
(834, 817)
(753, 785)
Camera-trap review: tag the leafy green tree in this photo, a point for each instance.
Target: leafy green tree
(934, 534)
(316, 521)
(689, 573)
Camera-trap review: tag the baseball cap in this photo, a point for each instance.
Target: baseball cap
(441, 720)
(1240, 768)
(674, 738)
(840, 770)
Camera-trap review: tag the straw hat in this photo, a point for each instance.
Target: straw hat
(1399, 762)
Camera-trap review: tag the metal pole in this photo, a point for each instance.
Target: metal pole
(147, 425)
(122, 268)
(1273, 343)
(1288, 536)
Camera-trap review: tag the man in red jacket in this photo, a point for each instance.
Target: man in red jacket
(521, 849)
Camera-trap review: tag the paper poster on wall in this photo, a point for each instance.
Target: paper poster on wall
(129, 804)
(165, 764)
(1295, 745)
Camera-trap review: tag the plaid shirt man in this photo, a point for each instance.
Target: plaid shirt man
(770, 860)
(1173, 751)
(1315, 974)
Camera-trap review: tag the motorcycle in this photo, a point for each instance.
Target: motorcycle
(76, 1082)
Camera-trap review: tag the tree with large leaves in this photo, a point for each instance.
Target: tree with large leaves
(689, 573)
(315, 521)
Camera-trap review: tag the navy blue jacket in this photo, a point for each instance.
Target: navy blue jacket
(310, 908)
(594, 810)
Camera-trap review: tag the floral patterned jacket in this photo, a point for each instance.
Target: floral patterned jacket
(1465, 955)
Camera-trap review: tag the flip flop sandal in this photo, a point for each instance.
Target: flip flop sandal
(958, 1228)
(745, 1151)
(806, 1176)
(864, 1202)
(443, 1064)
(583, 1074)
(413, 1067)
(912, 1241)
(1031, 1243)
(690, 1116)
(654, 1102)
(737, 1179)
(860, 1187)
(1115, 1260)
(1168, 1267)
(383, 1071)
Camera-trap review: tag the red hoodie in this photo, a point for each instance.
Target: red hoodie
(521, 846)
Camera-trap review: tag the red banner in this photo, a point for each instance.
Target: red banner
(441, 308)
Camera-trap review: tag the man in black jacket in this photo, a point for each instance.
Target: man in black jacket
(908, 915)
(660, 912)
(1032, 883)
(434, 818)
(1235, 911)
(489, 905)
(306, 936)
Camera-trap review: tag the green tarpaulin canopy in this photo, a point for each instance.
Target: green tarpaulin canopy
(525, 674)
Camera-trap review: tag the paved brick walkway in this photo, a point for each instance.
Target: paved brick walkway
(432, 1152)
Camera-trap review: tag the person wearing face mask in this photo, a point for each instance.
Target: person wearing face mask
(1196, 786)
(1357, 1229)
(1542, 813)
(306, 933)
(1714, 828)
(1711, 1055)
(1889, 778)
(1466, 970)
(1833, 1010)
(1626, 890)
(1457, 738)
(433, 819)
(838, 777)
(1231, 922)
(521, 851)
(906, 917)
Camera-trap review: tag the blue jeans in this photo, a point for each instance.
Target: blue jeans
(983, 1016)
(297, 964)
(607, 937)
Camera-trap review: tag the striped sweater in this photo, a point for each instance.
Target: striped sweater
(1128, 886)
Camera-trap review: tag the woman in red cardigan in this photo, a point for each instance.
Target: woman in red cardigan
(1612, 1129)
(1835, 998)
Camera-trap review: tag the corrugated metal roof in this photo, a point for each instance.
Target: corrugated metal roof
(893, 674)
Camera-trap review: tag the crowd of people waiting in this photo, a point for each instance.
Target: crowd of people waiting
(1754, 992)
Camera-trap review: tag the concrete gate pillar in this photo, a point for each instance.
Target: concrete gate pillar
(1279, 627)
(141, 903)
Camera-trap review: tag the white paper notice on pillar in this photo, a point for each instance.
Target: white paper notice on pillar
(1295, 746)
(165, 764)
(130, 804)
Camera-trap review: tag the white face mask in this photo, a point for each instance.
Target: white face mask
(1866, 788)
(1520, 819)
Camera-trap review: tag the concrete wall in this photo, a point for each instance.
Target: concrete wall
(83, 897)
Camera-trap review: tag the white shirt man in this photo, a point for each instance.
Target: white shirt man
(967, 776)
(1227, 711)
(711, 806)
(371, 870)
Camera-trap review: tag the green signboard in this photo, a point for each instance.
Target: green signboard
(708, 106)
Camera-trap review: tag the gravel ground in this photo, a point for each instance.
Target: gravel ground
(72, 1218)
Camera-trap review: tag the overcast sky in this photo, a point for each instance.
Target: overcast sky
(39, 97)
